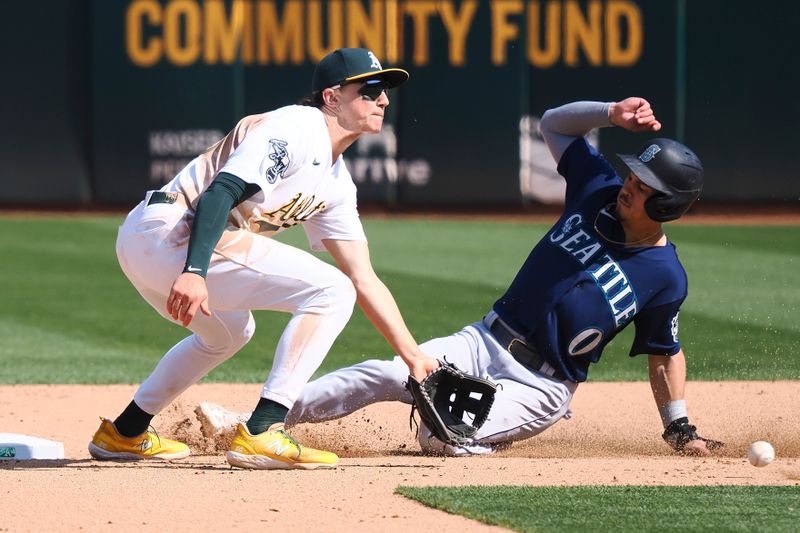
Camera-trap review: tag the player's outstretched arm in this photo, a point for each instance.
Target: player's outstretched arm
(352, 258)
(560, 126)
(668, 382)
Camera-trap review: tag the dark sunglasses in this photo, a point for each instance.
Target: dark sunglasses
(372, 91)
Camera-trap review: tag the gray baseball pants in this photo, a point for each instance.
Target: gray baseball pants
(526, 402)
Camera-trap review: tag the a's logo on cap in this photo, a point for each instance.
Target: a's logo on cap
(649, 153)
(375, 63)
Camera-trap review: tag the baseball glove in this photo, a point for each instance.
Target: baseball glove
(444, 396)
(680, 432)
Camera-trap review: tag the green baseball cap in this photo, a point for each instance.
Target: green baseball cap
(351, 64)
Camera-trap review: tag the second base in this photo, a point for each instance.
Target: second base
(15, 447)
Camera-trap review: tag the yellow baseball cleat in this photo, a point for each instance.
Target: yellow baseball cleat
(107, 444)
(275, 450)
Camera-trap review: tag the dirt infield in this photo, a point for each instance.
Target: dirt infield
(613, 438)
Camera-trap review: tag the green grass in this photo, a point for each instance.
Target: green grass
(620, 509)
(69, 315)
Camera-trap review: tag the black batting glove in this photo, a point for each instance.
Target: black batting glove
(680, 432)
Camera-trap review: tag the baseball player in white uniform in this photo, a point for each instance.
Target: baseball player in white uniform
(199, 251)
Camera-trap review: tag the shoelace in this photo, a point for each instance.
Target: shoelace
(290, 439)
(151, 429)
(412, 422)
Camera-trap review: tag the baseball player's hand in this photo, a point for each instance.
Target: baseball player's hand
(422, 366)
(188, 294)
(634, 114)
(697, 447)
(683, 438)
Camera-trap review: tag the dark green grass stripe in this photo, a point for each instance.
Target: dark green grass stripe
(620, 508)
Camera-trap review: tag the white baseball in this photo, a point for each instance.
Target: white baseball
(761, 453)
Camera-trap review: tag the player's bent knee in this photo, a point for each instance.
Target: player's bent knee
(245, 334)
(337, 296)
(344, 292)
(230, 338)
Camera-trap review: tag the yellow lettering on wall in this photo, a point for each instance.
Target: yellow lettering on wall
(544, 56)
(617, 13)
(394, 33)
(583, 32)
(420, 12)
(248, 32)
(593, 33)
(279, 40)
(143, 54)
(222, 37)
(365, 31)
(182, 32)
(457, 26)
(502, 30)
(316, 49)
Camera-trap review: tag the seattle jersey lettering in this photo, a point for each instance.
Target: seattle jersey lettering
(574, 240)
(617, 289)
(608, 274)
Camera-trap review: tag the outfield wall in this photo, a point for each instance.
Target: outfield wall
(108, 99)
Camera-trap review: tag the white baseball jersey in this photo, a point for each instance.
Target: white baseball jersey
(288, 154)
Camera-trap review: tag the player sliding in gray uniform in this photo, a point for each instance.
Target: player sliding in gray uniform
(606, 263)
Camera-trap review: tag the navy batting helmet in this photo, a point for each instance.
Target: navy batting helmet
(674, 171)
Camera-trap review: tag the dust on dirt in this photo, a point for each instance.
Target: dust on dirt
(613, 438)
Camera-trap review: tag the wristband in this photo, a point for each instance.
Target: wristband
(672, 411)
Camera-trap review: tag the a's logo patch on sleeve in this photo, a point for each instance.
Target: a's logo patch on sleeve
(280, 156)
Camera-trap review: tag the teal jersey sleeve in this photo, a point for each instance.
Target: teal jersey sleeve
(225, 192)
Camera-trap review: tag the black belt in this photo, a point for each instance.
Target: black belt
(525, 354)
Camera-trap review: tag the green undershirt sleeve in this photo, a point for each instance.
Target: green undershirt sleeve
(215, 204)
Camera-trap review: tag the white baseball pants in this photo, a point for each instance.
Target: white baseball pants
(526, 402)
(247, 272)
